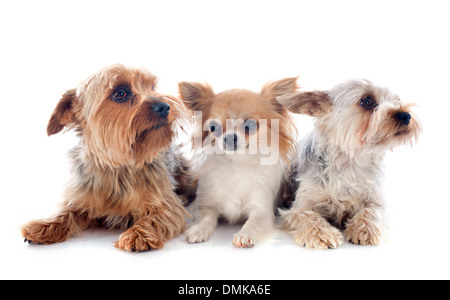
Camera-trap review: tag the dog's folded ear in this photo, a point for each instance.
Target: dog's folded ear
(315, 103)
(64, 114)
(195, 95)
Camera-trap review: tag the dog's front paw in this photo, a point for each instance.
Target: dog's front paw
(138, 240)
(320, 238)
(364, 229)
(198, 234)
(44, 233)
(243, 240)
(361, 234)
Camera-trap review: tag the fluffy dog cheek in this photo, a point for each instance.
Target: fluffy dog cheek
(149, 144)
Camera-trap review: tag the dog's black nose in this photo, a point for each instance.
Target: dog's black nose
(161, 108)
(403, 117)
(230, 141)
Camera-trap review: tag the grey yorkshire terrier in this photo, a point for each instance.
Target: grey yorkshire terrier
(340, 163)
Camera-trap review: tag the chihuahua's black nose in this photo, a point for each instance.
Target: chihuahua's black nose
(403, 117)
(230, 141)
(161, 108)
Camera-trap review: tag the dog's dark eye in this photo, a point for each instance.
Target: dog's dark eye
(215, 128)
(368, 102)
(121, 94)
(250, 126)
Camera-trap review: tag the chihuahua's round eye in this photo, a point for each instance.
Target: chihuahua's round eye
(215, 128)
(368, 102)
(250, 126)
(121, 94)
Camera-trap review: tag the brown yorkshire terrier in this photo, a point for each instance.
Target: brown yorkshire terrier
(126, 172)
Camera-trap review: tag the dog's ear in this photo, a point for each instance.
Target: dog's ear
(315, 103)
(195, 95)
(64, 114)
(277, 88)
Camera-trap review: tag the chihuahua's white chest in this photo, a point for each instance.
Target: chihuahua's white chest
(236, 187)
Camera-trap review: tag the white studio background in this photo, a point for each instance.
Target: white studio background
(48, 47)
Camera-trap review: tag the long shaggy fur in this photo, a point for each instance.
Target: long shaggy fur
(125, 170)
(340, 167)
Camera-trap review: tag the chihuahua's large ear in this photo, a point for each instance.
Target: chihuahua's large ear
(315, 103)
(195, 95)
(63, 115)
(277, 88)
(280, 87)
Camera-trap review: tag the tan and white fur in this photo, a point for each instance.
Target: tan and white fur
(126, 171)
(340, 168)
(233, 183)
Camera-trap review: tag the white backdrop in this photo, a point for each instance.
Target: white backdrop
(48, 47)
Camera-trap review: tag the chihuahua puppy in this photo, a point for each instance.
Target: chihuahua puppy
(242, 143)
